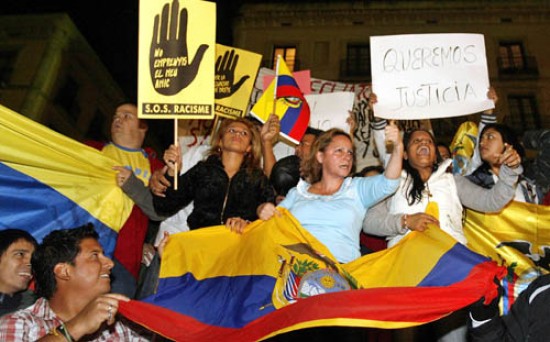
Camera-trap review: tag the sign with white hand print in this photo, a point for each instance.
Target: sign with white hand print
(176, 59)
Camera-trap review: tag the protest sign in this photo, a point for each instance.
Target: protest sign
(429, 75)
(236, 70)
(330, 110)
(176, 59)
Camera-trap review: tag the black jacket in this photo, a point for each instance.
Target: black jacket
(527, 321)
(208, 186)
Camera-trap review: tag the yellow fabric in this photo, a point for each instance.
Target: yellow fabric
(79, 172)
(523, 223)
(433, 209)
(264, 249)
(134, 160)
(463, 146)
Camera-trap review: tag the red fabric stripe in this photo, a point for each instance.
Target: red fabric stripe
(416, 305)
(289, 91)
(300, 127)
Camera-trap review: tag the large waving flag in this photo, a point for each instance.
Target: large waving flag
(276, 277)
(290, 104)
(48, 182)
(518, 237)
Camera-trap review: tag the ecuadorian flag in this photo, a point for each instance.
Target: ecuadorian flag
(290, 104)
(276, 277)
(49, 182)
(518, 237)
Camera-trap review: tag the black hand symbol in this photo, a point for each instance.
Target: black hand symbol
(225, 75)
(171, 70)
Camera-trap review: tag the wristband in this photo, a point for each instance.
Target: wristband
(63, 330)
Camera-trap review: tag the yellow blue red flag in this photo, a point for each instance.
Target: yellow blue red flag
(49, 181)
(517, 237)
(284, 98)
(276, 277)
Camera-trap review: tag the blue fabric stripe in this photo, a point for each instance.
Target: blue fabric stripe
(31, 205)
(289, 119)
(286, 80)
(453, 266)
(220, 301)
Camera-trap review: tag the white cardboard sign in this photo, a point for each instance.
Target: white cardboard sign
(426, 76)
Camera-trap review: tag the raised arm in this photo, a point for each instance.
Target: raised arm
(489, 200)
(395, 164)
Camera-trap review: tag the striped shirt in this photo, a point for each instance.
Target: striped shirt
(37, 320)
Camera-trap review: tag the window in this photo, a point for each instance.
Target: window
(511, 55)
(7, 62)
(358, 60)
(523, 113)
(289, 55)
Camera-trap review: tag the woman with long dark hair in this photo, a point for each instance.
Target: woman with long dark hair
(428, 194)
(494, 139)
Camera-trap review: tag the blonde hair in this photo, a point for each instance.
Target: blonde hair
(313, 170)
(253, 158)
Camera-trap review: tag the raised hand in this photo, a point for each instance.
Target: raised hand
(225, 75)
(510, 157)
(172, 157)
(170, 65)
(102, 309)
(271, 129)
(491, 95)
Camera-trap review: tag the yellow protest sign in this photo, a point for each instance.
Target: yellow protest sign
(176, 59)
(236, 71)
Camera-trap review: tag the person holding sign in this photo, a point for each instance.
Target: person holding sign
(428, 194)
(331, 204)
(227, 187)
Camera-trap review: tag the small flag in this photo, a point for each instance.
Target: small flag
(284, 98)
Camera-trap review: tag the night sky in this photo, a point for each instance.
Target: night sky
(111, 28)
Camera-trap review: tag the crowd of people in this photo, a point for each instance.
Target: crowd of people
(234, 180)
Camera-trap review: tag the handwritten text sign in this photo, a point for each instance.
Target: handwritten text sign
(429, 75)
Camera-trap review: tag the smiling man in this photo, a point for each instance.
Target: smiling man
(73, 280)
(16, 248)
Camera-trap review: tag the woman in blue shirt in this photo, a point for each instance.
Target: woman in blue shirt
(330, 204)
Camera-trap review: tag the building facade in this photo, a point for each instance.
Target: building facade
(331, 38)
(49, 73)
